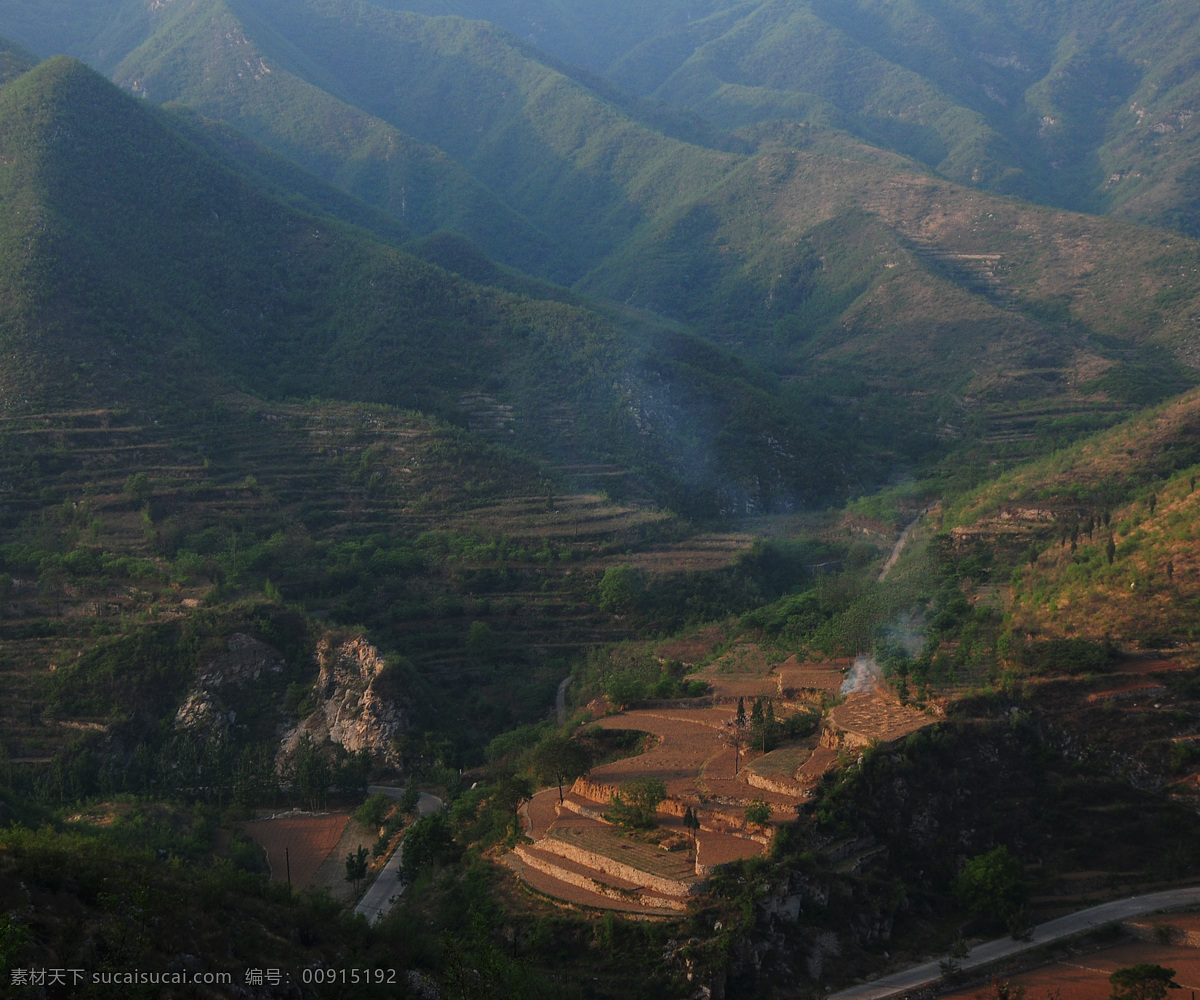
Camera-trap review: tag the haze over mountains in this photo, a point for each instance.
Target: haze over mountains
(796, 223)
(400, 359)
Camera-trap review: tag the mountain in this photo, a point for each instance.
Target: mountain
(144, 271)
(1065, 105)
(931, 312)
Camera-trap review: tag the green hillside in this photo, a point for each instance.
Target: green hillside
(1052, 522)
(1066, 104)
(159, 275)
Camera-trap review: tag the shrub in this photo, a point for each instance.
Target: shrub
(635, 805)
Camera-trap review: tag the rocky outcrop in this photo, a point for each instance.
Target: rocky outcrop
(356, 704)
(244, 661)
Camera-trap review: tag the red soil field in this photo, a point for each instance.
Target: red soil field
(1085, 977)
(301, 842)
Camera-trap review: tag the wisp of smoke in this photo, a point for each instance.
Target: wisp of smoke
(862, 676)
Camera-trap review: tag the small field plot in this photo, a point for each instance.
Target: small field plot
(743, 672)
(299, 842)
(784, 762)
(608, 843)
(687, 738)
(808, 676)
(693, 648)
(1085, 977)
(867, 717)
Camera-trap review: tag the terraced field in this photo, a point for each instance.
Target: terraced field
(700, 769)
(866, 718)
(146, 517)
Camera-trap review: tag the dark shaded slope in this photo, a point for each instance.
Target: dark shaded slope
(141, 270)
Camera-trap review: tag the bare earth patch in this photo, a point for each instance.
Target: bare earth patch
(299, 842)
(1085, 977)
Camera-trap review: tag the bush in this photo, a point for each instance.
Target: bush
(635, 805)
(1142, 982)
(373, 811)
(992, 885)
(1070, 656)
(758, 812)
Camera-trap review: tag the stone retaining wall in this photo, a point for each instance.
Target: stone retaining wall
(590, 859)
(783, 787)
(582, 881)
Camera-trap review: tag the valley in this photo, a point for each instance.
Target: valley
(700, 496)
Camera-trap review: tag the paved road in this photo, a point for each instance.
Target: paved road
(1052, 930)
(382, 894)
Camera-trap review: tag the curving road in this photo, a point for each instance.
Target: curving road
(1052, 930)
(382, 894)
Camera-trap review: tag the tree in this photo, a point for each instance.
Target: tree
(1110, 549)
(1142, 982)
(992, 885)
(1152, 502)
(619, 589)
(635, 804)
(691, 823)
(356, 867)
(758, 812)
(560, 759)
(138, 487)
(734, 737)
(951, 965)
(429, 841)
(410, 799)
(764, 730)
(310, 772)
(481, 641)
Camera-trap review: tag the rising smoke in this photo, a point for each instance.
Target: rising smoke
(862, 676)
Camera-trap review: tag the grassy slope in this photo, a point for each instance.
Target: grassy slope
(557, 151)
(1150, 592)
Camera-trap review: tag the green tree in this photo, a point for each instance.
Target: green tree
(356, 867)
(1142, 982)
(992, 885)
(1110, 550)
(481, 641)
(310, 772)
(620, 589)
(560, 759)
(373, 811)
(429, 841)
(138, 488)
(410, 799)
(635, 804)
